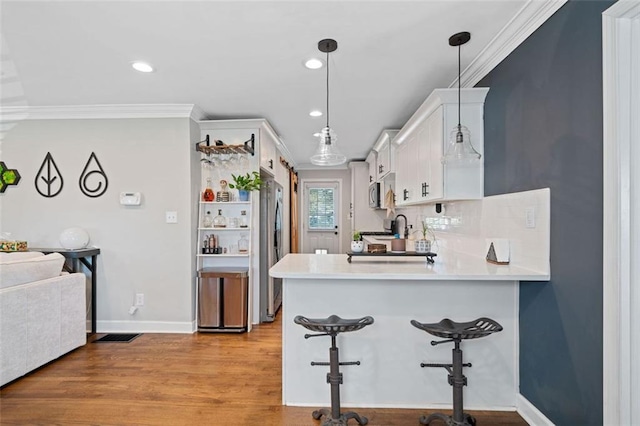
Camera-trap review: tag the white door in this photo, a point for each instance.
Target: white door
(321, 217)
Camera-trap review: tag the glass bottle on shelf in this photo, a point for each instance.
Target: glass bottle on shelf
(244, 221)
(233, 222)
(219, 221)
(207, 222)
(243, 244)
(207, 195)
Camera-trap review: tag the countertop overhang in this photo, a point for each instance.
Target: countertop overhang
(447, 266)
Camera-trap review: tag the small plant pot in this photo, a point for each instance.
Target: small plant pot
(243, 195)
(357, 246)
(423, 246)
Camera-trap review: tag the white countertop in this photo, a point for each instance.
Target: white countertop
(449, 266)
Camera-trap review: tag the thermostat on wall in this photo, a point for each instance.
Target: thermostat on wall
(130, 198)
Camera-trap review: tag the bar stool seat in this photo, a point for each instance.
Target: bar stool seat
(448, 329)
(456, 332)
(332, 326)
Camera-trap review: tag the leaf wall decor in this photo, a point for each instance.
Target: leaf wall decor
(49, 181)
(7, 177)
(102, 181)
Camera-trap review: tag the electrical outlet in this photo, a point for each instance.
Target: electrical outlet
(139, 299)
(530, 217)
(171, 217)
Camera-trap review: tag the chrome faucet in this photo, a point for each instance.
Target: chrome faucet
(406, 227)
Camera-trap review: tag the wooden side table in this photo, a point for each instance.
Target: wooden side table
(87, 257)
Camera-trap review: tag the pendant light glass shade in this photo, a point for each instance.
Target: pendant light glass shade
(459, 149)
(327, 153)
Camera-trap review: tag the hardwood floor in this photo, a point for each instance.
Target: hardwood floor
(176, 379)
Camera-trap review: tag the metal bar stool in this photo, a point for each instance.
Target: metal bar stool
(455, 332)
(332, 326)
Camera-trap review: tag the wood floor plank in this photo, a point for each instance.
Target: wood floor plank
(177, 379)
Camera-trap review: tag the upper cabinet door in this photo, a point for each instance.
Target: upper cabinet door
(434, 147)
(268, 153)
(373, 167)
(385, 163)
(405, 181)
(386, 150)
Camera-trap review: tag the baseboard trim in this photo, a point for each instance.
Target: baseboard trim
(145, 327)
(440, 407)
(530, 413)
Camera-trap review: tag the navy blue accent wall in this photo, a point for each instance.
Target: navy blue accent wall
(543, 128)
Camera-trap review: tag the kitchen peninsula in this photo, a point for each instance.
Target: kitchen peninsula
(394, 291)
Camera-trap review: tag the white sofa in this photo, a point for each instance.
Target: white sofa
(42, 312)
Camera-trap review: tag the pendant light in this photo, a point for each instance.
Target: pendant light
(327, 153)
(460, 150)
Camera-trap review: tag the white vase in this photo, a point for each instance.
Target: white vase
(357, 246)
(423, 246)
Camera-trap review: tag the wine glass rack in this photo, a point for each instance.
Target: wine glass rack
(219, 147)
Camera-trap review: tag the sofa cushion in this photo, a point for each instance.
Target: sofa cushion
(19, 255)
(23, 271)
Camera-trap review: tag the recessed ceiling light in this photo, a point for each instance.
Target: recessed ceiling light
(315, 113)
(316, 135)
(314, 63)
(142, 67)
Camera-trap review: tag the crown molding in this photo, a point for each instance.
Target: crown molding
(532, 15)
(115, 111)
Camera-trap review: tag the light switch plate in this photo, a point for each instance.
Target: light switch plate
(171, 217)
(530, 217)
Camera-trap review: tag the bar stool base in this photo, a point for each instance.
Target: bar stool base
(469, 420)
(341, 421)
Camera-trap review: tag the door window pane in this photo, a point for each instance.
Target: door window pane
(321, 208)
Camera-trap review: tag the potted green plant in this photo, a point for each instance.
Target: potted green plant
(357, 245)
(424, 245)
(245, 183)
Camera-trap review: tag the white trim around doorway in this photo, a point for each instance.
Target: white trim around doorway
(621, 212)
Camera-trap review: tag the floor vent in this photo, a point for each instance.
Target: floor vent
(122, 338)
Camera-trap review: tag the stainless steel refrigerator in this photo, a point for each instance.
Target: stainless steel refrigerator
(271, 204)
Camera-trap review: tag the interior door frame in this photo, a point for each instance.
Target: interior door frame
(303, 200)
(621, 215)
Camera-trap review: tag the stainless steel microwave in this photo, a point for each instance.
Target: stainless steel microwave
(374, 195)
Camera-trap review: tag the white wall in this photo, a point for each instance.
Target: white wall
(140, 253)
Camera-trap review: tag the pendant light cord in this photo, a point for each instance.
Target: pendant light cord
(328, 90)
(459, 87)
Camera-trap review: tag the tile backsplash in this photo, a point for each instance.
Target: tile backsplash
(522, 217)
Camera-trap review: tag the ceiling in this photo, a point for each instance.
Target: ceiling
(244, 59)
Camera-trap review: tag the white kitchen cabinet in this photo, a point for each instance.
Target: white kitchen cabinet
(281, 174)
(363, 218)
(268, 151)
(373, 166)
(420, 175)
(386, 154)
(405, 174)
